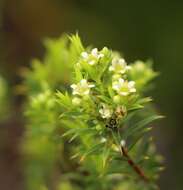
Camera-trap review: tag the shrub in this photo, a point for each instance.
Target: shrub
(88, 120)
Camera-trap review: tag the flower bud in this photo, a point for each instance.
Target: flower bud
(123, 142)
(76, 101)
(116, 76)
(117, 99)
(98, 127)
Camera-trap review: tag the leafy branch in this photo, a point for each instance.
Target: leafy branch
(91, 108)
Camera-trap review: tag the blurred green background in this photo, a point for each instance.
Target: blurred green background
(140, 29)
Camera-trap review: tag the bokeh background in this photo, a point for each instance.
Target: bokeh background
(140, 29)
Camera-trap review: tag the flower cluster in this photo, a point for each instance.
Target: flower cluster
(119, 67)
(93, 57)
(98, 112)
(120, 85)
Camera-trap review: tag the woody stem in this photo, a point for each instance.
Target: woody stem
(135, 167)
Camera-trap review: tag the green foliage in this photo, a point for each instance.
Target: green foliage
(142, 74)
(55, 70)
(88, 121)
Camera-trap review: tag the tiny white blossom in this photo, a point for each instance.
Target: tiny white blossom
(119, 66)
(123, 87)
(105, 111)
(93, 57)
(123, 142)
(96, 54)
(82, 88)
(103, 140)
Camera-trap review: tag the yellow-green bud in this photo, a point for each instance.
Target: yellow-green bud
(98, 127)
(76, 101)
(117, 99)
(116, 76)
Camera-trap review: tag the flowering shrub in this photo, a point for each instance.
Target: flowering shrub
(88, 120)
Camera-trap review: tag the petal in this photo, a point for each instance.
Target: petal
(132, 90)
(128, 67)
(91, 85)
(73, 86)
(94, 52)
(122, 61)
(75, 92)
(116, 87)
(122, 71)
(86, 92)
(111, 68)
(83, 81)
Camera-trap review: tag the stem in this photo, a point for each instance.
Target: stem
(135, 167)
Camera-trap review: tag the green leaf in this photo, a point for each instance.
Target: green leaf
(78, 75)
(135, 107)
(144, 100)
(92, 150)
(105, 99)
(110, 91)
(105, 156)
(70, 114)
(76, 44)
(140, 125)
(76, 130)
(64, 100)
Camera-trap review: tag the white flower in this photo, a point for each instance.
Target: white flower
(103, 140)
(123, 143)
(93, 57)
(82, 88)
(119, 66)
(124, 88)
(96, 54)
(105, 111)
